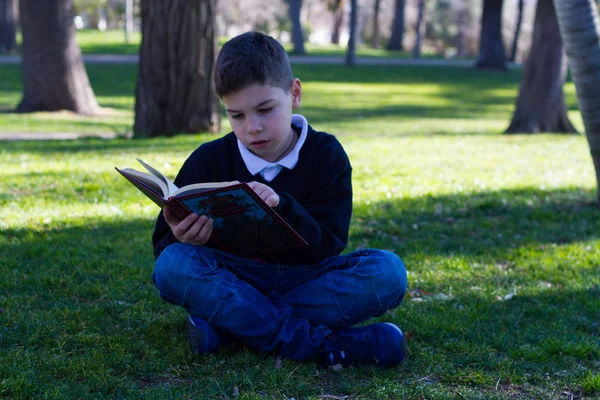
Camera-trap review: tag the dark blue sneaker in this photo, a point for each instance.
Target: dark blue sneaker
(203, 338)
(380, 344)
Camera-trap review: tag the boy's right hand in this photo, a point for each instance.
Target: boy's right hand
(193, 229)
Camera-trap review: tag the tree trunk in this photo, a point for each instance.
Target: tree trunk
(175, 91)
(515, 46)
(8, 25)
(541, 103)
(54, 77)
(338, 21)
(351, 51)
(395, 42)
(297, 35)
(579, 27)
(491, 48)
(420, 29)
(375, 38)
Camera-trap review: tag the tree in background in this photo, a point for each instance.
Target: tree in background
(8, 25)
(351, 51)
(491, 47)
(419, 29)
(175, 91)
(375, 36)
(54, 77)
(541, 103)
(579, 27)
(395, 42)
(337, 9)
(295, 6)
(515, 46)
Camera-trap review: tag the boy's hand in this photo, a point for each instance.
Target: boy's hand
(266, 193)
(193, 229)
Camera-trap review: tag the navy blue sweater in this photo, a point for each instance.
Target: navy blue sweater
(315, 196)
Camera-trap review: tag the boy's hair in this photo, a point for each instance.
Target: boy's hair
(249, 58)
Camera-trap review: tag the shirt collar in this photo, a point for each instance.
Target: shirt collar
(256, 164)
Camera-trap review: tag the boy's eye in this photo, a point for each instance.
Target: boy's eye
(265, 110)
(237, 116)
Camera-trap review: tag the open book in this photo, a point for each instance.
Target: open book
(243, 223)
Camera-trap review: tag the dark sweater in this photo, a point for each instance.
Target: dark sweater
(315, 196)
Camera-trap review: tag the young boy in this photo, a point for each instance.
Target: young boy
(298, 304)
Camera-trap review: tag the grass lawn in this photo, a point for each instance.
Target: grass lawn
(93, 41)
(499, 234)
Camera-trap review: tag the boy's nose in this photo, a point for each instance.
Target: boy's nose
(254, 125)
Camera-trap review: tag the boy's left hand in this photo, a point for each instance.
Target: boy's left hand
(267, 194)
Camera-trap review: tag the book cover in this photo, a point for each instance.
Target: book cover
(243, 223)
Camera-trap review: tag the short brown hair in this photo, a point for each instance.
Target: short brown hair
(249, 58)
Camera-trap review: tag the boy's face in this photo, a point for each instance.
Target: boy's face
(261, 117)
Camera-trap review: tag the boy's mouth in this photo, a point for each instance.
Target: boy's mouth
(259, 143)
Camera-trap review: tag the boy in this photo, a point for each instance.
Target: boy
(298, 304)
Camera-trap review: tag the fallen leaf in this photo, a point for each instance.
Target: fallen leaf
(278, 363)
(236, 391)
(337, 367)
(409, 335)
(509, 296)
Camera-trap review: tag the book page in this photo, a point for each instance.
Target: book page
(201, 187)
(171, 188)
(149, 180)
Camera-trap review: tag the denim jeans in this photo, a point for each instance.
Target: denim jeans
(283, 309)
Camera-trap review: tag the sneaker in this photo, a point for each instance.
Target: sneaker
(203, 338)
(380, 344)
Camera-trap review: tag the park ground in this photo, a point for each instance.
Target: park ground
(499, 235)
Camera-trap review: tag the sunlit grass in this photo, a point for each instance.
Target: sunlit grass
(379, 100)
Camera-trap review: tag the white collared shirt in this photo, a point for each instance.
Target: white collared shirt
(269, 170)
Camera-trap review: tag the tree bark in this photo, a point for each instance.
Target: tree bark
(351, 51)
(420, 29)
(515, 46)
(541, 103)
(395, 42)
(8, 25)
(175, 92)
(338, 21)
(491, 49)
(54, 77)
(375, 36)
(297, 35)
(579, 27)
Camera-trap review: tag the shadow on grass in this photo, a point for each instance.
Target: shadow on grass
(489, 224)
(82, 295)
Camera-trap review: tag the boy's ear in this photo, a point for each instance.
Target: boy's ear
(296, 93)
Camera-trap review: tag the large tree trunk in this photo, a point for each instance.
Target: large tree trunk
(54, 77)
(338, 20)
(515, 46)
(297, 35)
(175, 92)
(351, 51)
(8, 25)
(491, 49)
(579, 27)
(395, 42)
(420, 29)
(375, 36)
(541, 102)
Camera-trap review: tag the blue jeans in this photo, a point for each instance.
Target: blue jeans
(287, 310)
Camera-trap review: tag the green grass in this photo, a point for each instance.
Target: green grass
(499, 235)
(93, 41)
(382, 100)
